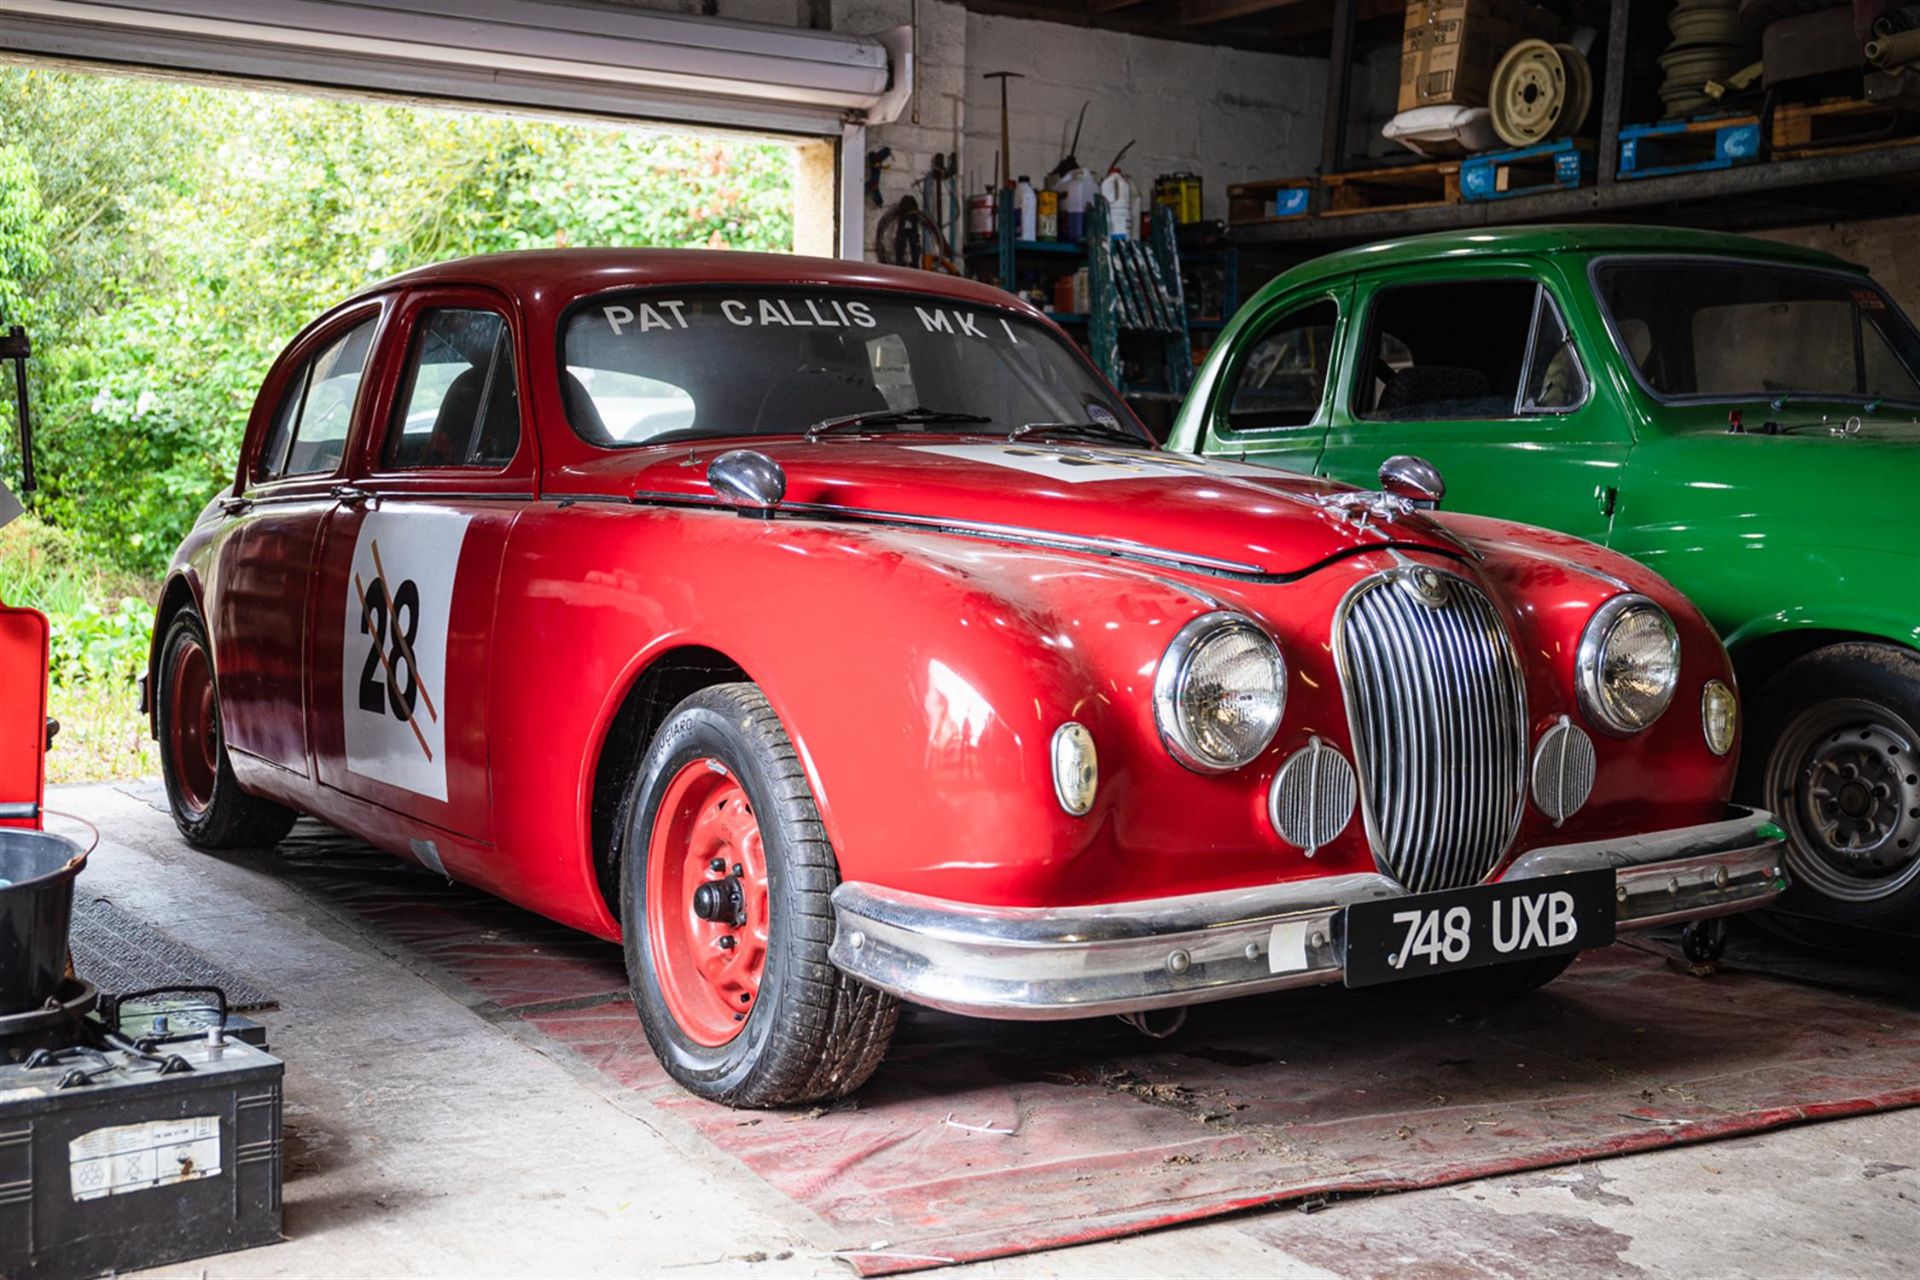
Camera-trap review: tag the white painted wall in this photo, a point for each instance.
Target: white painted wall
(1226, 115)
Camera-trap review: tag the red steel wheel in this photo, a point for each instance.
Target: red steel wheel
(193, 726)
(706, 903)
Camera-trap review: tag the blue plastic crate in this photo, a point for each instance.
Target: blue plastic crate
(1564, 164)
(1688, 146)
(1291, 202)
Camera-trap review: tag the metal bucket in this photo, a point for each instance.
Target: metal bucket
(37, 871)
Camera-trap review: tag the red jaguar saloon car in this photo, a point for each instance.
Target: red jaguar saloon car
(833, 635)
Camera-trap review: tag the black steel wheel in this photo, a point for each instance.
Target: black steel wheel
(1835, 755)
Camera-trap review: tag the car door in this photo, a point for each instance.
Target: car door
(1474, 366)
(1271, 402)
(257, 595)
(410, 564)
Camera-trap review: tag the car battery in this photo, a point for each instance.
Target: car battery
(119, 1154)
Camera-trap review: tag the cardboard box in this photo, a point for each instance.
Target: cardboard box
(1450, 48)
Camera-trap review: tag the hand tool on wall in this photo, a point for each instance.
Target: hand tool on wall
(1006, 144)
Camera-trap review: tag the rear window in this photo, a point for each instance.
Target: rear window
(656, 366)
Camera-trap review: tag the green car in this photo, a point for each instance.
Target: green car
(1742, 416)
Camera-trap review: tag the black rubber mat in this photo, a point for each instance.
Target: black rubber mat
(119, 952)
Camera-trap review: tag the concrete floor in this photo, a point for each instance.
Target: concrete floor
(425, 1140)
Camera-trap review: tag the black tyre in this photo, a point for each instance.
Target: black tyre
(725, 892)
(1834, 753)
(208, 805)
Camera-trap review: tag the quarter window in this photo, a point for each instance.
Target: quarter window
(459, 402)
(1462, 349)
(309, 431)
(1282, 380)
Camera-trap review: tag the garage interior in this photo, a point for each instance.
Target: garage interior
(458, 1086)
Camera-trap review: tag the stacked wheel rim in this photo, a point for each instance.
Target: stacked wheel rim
(1709, 45)
(1529, 95)
(707, 902)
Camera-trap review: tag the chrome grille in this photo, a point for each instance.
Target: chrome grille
(1437, 707)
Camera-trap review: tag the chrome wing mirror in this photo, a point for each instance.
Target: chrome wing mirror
(750, 481)
(1415, 479)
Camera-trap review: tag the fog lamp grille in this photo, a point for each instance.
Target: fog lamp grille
(1563, 767)
(1313, 796)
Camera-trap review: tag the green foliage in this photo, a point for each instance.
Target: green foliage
(164, 241)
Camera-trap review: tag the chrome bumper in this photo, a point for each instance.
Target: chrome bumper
(1073, 962)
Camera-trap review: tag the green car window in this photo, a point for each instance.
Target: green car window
(1282, 380)
(1454, 349)
(1721, 329)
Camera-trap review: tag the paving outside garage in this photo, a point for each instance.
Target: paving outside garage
(419, 1121)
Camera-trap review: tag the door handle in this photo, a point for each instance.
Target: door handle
(235, 506)
(352, 495)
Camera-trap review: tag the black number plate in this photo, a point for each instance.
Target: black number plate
(1431, 933)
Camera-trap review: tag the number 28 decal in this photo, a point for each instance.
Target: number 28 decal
(393, 671)
(391, 616)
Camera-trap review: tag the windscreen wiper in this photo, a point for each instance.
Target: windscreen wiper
(919, 415)
(1098, 430)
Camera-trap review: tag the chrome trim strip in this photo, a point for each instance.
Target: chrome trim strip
(1117, 547)
(1045, 963)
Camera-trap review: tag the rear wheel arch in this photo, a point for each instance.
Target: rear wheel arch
(651, 694)
(177, 594)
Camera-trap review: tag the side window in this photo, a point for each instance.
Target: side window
(459, 402)
(1556, 380)
(1283, 377)
(1439, 351)
(309, 432)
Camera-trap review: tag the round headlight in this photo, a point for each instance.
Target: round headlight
(1628, 665)
(1219, 693)
(1719, 717)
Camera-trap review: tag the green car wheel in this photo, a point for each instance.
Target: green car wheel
(1837, 746)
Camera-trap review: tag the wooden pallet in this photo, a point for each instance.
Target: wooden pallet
(1551, 166)
(1406, 186)
(1836, 125)
(1270, 200)
(1688, 146)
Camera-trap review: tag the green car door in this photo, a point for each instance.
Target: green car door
(1481, 367)
(1273, 394)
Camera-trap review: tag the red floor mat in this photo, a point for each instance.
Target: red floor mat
(981, 1139)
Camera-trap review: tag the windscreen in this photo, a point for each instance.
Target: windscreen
(1746, 330)
(656, 366)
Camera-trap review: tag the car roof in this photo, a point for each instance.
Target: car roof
(1559, 239)
(566, 274)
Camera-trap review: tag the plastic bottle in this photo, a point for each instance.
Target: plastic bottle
(1077, 190)
(1122, 199)
(1026, 210)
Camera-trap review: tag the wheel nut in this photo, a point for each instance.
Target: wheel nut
(739, 870)
(739, 1017)
(726, 942)
(746, 996)
(717, 866)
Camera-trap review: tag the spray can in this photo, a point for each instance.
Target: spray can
(1122, 203)
(1026, 210)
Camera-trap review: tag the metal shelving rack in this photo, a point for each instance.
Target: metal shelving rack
(1836, 185)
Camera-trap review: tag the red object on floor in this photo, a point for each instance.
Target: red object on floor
(23, 716)
(984, 1139)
